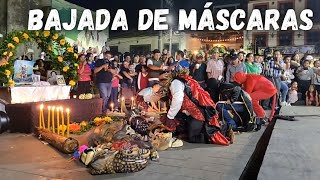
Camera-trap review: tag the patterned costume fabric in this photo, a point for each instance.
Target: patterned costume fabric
(196, 111)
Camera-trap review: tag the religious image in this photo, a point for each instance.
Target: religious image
(23, 71)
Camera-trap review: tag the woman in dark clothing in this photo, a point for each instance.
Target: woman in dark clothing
(41, 70)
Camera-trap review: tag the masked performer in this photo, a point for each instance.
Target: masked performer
(201, 120)
(259, 88)
(236, 108)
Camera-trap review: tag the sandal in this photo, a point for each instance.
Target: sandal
(175, 143)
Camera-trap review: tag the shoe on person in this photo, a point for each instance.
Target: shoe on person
(288, 104)
(283, 104)
(258, 127)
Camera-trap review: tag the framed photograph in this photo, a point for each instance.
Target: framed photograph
(35, 78)
(52, 73)
(60, 80)
(23, 71)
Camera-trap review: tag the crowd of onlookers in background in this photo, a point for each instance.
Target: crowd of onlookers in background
(296, 78)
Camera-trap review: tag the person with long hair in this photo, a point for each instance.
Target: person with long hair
(84, 73)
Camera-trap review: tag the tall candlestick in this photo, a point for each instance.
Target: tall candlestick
(132, 102)
(49, 110)
(62, 121)
(123, 104)
(159, 106)
(68, 121)
(164, 107)
(111, 107)
(40, 116)
(58, 121)
(53, 122)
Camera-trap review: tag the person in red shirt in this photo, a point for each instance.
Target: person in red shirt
(259, 88)
(84, 73)
(143, 78)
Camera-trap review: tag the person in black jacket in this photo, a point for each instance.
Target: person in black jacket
(236, 107)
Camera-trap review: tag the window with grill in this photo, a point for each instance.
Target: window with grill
(312, 37)
(283, 8)
(285, 38)
(262, 8)
(314, 5)
(260, 40)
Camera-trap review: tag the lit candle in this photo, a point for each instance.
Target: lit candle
(74, 96)
(40, 116)
(164, 107)
(58, 120)
(49, 110)
(62, 120)
(111, 107)
(159, 106)
(123, 103)
(132, 102)
(68, 121)
(53, 123)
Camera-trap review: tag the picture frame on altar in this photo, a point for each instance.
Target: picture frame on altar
(35, 78)
(60, 80)
(23, 72)
(52, 76)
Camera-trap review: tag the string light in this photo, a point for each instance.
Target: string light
(221, 40)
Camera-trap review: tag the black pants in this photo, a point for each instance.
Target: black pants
(213, 87)
(84, 87)
(303, 87)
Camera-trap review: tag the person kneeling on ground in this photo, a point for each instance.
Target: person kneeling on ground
(259, 88)
(236, 108)
(201, 119)
(147, 97)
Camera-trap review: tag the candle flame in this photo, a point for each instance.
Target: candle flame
(112, 104)
(49, 107)
(61, 108)
(122, 98)
(41, 106)
(53, 107)
(68, 110)
(132, 98)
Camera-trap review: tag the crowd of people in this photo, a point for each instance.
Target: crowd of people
(295, 80)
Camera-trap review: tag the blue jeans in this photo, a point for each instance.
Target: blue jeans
(224, 110)
(284, 91)
(114, 97)
(105, 91)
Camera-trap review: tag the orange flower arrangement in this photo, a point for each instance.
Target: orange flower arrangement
(74, 127)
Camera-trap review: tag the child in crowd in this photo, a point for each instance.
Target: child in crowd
(293, 93)
(115, 86)
(312, 97)
(143, 78)
(316, 78)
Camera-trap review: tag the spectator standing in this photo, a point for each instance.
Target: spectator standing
(215, 67)
(143, 78)
(241, 55)
(233, 68)
(198, 71)
(103, 79)
(258, 60)
(251, 67)
(142, 62)
(316, 77)
(156, 67)
(274, 72)
(305, 74)
(115, 86)
(84, 71)
(181, 62)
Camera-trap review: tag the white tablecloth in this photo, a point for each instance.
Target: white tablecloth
(25, 94)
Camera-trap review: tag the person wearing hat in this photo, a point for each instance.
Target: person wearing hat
(215, 68)
(198, 71)
(156, 67)
(235, 66)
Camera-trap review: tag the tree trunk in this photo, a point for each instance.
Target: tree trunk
(66, 145)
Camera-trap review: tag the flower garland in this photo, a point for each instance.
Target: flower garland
(65, 62)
